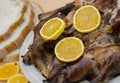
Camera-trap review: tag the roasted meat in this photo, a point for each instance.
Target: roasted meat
(102, 46)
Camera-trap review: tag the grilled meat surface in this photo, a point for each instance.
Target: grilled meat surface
(101, 59)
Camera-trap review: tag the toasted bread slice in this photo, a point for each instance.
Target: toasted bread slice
(11, 12)
(18, 35)
(37, 10)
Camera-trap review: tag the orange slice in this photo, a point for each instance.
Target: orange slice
(18, 78)
(86, 19)
(7, 70)
(69, 49)
(52, 29)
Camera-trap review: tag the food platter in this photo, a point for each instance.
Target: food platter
(31, 73)
(28, 12)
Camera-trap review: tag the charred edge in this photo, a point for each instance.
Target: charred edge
(64, 10)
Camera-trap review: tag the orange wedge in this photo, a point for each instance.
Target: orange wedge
(7, 70)
(86, 19)
(52, 29)
(18, 78)
(69, 49)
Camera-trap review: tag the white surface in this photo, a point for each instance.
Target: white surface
(31, 73)
(10, 12)
(115, 80)
(118, 4)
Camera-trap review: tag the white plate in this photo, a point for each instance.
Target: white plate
(31, 73)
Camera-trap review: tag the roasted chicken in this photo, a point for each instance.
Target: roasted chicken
(101, 59)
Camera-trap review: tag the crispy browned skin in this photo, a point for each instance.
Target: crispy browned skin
(108, 51)
(106, 4)
(108, 59)
(43, 51)
(79, 70)
(102, 50)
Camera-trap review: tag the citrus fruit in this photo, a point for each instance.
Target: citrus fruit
(69, 49)
(86, 19)
(18, 78)
(52, 29)
(7, 70)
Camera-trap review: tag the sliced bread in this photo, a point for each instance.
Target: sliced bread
(11, 12)
(18, 35)
(37, 10)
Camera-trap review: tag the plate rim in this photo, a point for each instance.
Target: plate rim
(35, 76)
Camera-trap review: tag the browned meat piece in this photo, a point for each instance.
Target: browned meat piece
(101, 54)
(106, 5)
(41, 52)
(80, 70)
(108, 60)
(101, 67)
